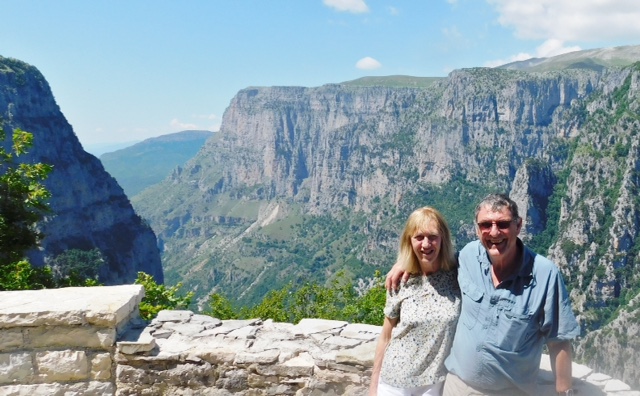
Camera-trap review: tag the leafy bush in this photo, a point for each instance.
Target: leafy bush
(159, 297)
(338, 301)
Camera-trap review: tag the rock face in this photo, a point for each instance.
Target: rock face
(89, 209)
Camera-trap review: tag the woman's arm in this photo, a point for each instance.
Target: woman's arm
(383, 340)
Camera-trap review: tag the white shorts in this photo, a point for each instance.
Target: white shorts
(427, 390)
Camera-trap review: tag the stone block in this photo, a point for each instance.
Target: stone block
(361, 331)
(15, 367)
(262, 357)
(101, 366)
(337, 342)
(615, 385)
(104, 306)
(362, 354)
(176, 316)
(312, 326)
(301, 365)
(62, 365)
(11, 339)
(70, 336)
(261, 381)
(82, 388)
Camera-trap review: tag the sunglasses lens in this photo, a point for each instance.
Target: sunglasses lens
(487, 225)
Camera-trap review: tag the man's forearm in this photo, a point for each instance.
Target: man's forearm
(560, 354)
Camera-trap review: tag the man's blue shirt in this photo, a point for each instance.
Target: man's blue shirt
(501, 330)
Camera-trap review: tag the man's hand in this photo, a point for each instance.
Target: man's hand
(395, 275)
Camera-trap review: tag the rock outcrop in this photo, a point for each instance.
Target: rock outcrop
(89, 209)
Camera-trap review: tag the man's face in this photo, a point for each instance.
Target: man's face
(498, 232)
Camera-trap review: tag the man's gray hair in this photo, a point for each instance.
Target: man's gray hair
(496, 202)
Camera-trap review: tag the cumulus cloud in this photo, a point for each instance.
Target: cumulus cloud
(177, 124)
(570, 20)
(353, 6)
(549, 48)
(368, 63)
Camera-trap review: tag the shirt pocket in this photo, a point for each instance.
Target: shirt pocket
(515, 331)
(471, 302)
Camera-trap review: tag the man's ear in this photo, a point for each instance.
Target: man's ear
(519, 224)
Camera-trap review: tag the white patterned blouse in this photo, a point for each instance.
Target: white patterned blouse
(427, 308)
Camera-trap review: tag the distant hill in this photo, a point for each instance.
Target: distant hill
(150, 161)
(98, 149)
(594, 59)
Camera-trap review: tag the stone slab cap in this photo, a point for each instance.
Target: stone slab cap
(309, 326)
(105, 306)
(361, 331)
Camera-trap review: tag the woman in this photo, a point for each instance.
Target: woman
(420, 319)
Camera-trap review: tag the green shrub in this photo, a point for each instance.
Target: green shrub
(159, 297)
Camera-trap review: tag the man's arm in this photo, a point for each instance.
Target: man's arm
(560, 355)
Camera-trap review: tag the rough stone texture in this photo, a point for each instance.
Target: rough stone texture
(62, 341)
(254, 357)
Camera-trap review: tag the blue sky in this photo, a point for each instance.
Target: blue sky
(124, 71)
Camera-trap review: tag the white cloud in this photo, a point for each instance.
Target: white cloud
(553, 47)
(368, 63)
(570, 20)
(393, 10)
(176, 124)
(353, 6)
(549, 48)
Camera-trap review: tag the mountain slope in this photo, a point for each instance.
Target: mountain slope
(595, 59)
(89, 209)
(148, 162)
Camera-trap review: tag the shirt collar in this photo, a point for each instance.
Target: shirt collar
(526, 266)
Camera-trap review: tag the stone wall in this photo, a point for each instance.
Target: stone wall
(90, 341)
(63, 341)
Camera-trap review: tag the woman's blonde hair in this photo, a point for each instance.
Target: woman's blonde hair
(418, 221)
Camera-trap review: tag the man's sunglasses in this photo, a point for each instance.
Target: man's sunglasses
(502, 224)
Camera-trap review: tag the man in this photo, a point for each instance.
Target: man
(513, 302)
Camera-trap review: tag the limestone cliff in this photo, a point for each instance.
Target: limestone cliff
(304, 182)
(89, 209)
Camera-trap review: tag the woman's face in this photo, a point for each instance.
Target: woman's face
(426, 245)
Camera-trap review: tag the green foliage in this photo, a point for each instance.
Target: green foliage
(77, 267)
(220, 307)
(20, 275)
(159, 297)
(23, 199)
(337, 301)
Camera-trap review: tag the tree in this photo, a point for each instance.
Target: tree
(76, 266)
(23, 202)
